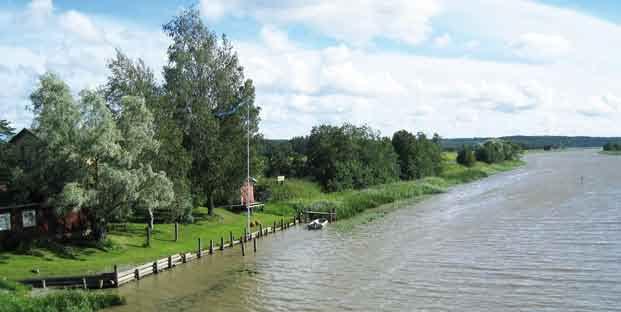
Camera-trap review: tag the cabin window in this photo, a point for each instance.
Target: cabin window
(29, 218)
(5, 222)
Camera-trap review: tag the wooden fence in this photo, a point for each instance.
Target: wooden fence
(123, 276)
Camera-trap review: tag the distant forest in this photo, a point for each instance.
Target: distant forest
(536, 142)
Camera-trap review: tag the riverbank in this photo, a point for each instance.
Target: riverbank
(18, 297)
(299, 195)
(125, 245)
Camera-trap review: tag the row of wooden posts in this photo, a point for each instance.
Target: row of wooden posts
(119, 277)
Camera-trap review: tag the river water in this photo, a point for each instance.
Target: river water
(545, 237)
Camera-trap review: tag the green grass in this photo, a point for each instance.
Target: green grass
(291, 189)
(353, 202)
(17, 297)
(126, 247)
(616, 153)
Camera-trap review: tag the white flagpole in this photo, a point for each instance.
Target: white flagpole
(248, 170)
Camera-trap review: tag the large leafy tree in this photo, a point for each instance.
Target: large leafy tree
(95, 160)
(418, 156)
(350, 157)
(133, 78)
(207, 96)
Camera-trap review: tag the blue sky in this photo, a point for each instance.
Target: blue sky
(459, 68)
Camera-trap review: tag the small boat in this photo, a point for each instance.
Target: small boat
(317, 224)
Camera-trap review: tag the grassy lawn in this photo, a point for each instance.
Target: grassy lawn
(127, 247)
(617, 153)
(126, 241)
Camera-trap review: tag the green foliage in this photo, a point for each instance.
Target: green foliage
(496, 151)
(349, 157)
(612, 147)
(419, 157)
(350, 203)
(128, 77)
(5, 130)
(202, 79)
(98, 161)
(283, 159)
(77, 301)
(290, 189)
(466, 156)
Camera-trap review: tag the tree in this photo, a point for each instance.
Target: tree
(133, 78)
(207, 98)
(128, 77)
(5, 130)
(404, 142)
(418, 156)
(494, 151)
(466, 156)
(96, 163)
(348, 157)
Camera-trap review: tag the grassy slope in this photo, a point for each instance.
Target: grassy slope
(127, 247)
(127, 244)
(616, 153)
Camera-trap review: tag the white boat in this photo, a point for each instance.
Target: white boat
(317, 224)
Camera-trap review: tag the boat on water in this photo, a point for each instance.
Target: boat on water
(317, 224)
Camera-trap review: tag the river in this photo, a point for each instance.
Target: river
(545, 237)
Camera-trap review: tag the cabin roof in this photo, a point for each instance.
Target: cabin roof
(20, 134)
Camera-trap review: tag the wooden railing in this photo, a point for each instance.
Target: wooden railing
(120, 277)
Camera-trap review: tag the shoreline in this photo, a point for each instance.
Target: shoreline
(353, 207)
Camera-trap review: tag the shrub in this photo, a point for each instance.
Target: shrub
(466, 157)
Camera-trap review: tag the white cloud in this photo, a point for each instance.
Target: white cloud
(562, 77)
(79, 24)
(541, 47)
(472, 44)
(40, 9)
(355, 23)
(71, 44)
(216, 9)
(601, 106)
(442, 41)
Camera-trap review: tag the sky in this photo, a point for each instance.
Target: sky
(481, 68)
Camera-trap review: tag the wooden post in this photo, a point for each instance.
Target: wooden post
(176, 231)
(274, 227)
(116, 276)
(155, 267)
(245, 235)
(221, 243)
(170, 262)
(211, 246)
(260, 229)
(183, 258)
(199, 248)
(101, 283)
(43, 284)
(254, 243)
(84, 283)
(241, 242)
(148, 236)
(137, 274)
(231, 236)
(282, 224)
